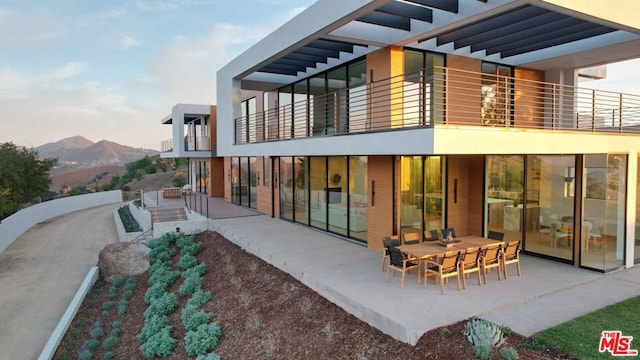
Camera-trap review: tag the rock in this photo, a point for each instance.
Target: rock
(123, 259)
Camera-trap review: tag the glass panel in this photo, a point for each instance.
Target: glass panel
(244, 181)
(286, 188)
(318, 105)
(266, 170)
(357, 96)
(358, 195)
(235, 180)
(637, 242)
(300, 109)
(433, 193)
(251, 119)
(265, 117)
(505, 210)
(302, 189)
(496, 98)
(550, 185)
(285, 112)
(434, 88)
(337, 194)
(318, 184)
(253, 183)
(413, 65)
(614, 223)
(337, 101)
(411, 196)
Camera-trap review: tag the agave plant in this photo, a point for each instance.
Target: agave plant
(482, 332)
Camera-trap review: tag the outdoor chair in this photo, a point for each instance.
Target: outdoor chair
(496, 235)
(511, 255)
(411, 238)
(386, 242)
(491, 259)
(431, 235)
(469, 263)
(400, 262)
(443, 269)
(447, 231)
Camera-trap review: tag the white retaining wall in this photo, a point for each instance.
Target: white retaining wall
(15, 225)
(195, 224)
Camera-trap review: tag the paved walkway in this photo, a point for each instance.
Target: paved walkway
(41, 272)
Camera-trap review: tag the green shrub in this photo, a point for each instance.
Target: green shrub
(198, 299)
(105, 313)
(192, 248)
(128, 221)
(154, 291)
(112, 294)
(184, 241)
(127, 294)
(164, 305)
(507, 331)
(190, 285)
(535, 345)
(90, 344)
(210, 356)
(117, 281)
(192, 318)
(187, 261)
(85, 355)
(204, 339)
(122, 306)
(107, 305)
(161, 254)
(130, 284)
(110, 342)
(444, 332)
(509, 353)
(161, 344)
(108, 355)
(97, 330)
(164, 276)
(152, 325)
(482, 351)
(482, 332)
(198, 270)
(116, 324)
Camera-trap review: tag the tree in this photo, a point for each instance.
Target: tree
(23, 177)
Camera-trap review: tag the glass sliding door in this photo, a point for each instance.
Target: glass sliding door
(286, 188)
(358, 198)
(235, 180)
(433, 193)
(253, 183)
(337, 192)
(637, 227)
(604, 199)
(244, 181)
(550, 183)
(301, 184)
(318, 194)
(411, 195)
(505, 205)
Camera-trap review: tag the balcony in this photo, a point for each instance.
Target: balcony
(191, 143)
(444, 96)
(166, 145)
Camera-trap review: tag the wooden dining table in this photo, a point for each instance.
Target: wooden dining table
(431, 249)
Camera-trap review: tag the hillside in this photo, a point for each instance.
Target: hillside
(61, 177)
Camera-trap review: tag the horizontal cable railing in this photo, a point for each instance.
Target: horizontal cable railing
(445, 96)
(166, 145)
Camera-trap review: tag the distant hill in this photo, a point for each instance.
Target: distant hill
(90, 176)
(79, 152)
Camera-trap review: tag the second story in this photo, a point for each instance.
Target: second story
(193, 130)
(429, 76)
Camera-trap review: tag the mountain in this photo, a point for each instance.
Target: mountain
(79, 152)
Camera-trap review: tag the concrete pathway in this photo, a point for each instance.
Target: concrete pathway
(41, 272)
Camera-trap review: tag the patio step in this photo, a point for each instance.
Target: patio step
(168, 215)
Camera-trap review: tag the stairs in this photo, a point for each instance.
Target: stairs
(168, 214)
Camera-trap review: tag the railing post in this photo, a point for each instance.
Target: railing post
(593, 107)
(620, 113)
(554, 107)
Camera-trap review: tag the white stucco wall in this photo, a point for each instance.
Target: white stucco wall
(15, 225)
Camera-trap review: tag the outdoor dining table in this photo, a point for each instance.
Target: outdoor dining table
(430, 249)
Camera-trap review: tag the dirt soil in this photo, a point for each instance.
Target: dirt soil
(265, 313)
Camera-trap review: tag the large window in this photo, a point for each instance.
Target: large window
(358, 191)
(337, 194)
(496, 94)
(253, 183)
(506, 208)
(318, 185)
(423, 88)
(235, 180)
(286, 188)
(301, 184)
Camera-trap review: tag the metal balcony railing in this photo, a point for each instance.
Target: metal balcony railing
(445, 96)
(166, 145)
(197, 143)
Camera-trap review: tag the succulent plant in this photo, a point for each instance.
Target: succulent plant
(483, 332)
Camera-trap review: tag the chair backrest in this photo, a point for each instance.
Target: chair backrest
(431, 235)
(511, 250)
(495, 235)
(447, 231)
(395, 256)
(450, 261)
(492, 253)
(471, 257)
(388, 241)
(411, 238)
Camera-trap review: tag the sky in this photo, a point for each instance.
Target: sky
(111, 70)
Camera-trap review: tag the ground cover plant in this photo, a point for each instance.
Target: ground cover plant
(128, 221)
(580, 337)
(260, 312)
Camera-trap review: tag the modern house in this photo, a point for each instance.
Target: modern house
(367, 118)
(193, 129)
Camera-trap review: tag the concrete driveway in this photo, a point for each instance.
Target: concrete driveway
(41, 272)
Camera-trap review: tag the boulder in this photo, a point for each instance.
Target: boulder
(123, 259)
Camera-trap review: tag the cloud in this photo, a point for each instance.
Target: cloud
(126, 42)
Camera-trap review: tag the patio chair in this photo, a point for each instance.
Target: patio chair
(386, 242)
(431, 235)
(511, 255)
(411, 238)
(447, 231)
(443, 269)
(400, 262)
(495, 235)
(491, 259)
(469, 263)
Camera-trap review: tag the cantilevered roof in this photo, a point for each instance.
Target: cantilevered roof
(533, 33)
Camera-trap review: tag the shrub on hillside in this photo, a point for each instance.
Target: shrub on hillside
(128, 221)
(204, 339)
